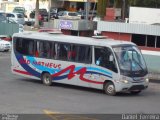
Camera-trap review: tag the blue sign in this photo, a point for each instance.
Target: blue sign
(65, 24)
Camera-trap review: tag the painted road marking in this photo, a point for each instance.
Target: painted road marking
(61, 116)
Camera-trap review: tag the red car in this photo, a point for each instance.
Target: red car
(43, 15)
(6, 37)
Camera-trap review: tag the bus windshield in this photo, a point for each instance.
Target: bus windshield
(130, 61)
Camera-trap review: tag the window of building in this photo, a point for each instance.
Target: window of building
(151, 41)
(158, 42)
(140, 40)
(74, 33)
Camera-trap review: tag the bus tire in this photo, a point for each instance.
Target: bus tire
(135, 92)
(46, 79)
(109, 88)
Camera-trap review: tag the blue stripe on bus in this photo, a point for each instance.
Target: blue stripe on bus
(40, 67)
(91, 72)
(88, 72)
(27, 68)
(53, 70)
(99, 70)
(60, 77)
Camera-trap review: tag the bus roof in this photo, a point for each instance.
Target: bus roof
(71, 39)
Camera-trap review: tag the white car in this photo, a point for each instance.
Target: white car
(4, 45)
(17, 17)
(69, 15)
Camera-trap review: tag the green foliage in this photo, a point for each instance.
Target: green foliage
(101, 7)
(145, 3)
(118, 3)
(103, 4)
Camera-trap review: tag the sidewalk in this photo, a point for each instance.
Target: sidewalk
(154, 77)
(29, 28)
(154, 81)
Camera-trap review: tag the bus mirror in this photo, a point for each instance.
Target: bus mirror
(111, 58)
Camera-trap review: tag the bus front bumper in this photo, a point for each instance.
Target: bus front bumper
(127, 87)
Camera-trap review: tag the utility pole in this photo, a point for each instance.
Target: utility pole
(49, 7)
(123, 9)
(87, 4)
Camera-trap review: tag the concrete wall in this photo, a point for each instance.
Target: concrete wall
(117, 36)
(153, 63)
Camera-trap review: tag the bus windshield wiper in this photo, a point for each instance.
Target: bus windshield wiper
(138, 64)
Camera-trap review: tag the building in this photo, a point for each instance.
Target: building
(147, 37)
(75, 5)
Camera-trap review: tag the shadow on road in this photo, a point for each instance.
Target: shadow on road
(92, 90)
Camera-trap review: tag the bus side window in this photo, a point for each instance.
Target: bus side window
(72, 53)
(25, 46)
(31, 47)
(61, 51)
(83, 54)
(47, 49)
(43, 49)
(104, 57)
(19, 45)
(53, 51)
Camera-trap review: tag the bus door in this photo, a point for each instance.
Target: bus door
(104, 65)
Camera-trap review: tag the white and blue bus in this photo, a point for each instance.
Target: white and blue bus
(113, 66)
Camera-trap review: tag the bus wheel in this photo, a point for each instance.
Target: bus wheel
(109, 88)
(47, 79)
(135, 92)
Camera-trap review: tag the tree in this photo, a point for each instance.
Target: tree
(118, 3)
(101, 7)
(36, 24)
(124, 5)
(145, 3)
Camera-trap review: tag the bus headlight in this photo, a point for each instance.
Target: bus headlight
(124, 81)
(147, 80)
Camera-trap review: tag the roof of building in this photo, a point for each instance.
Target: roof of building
(128, 28)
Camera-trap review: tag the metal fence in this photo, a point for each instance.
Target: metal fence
(8, 28)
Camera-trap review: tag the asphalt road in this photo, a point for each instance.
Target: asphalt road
(22, 95)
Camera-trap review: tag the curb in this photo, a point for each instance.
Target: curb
(154, 81)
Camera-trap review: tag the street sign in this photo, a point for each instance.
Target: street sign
(66, 24)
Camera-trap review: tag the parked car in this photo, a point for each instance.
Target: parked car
(2, 17)
(17, 17)
(30, 21)
(4, 45)
(68, 15)
(6, 37)
(19, 10)
(43, 14)
(54, 12)
(91, 14)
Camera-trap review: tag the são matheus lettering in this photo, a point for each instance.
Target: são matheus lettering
(40, 63)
